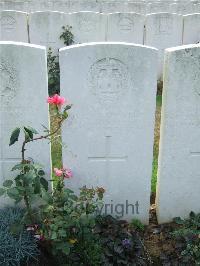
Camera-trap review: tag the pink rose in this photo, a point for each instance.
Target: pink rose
(65, 172)
(58, 172)
(56, 99)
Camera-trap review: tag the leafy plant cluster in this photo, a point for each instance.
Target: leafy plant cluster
(53, 61)
(69, 222)
(121, 244)
(188, 237)
(17, 245)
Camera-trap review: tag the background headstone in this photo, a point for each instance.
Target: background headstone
(191, 32)
(183, 8)
(13, 26)
(45, 28)
(112, 87)
(163, 30)
(23, 93)
(179, 168)
(88, 26)
(125, 27)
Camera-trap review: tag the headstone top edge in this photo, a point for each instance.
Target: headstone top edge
(133, 45)
(28, 45)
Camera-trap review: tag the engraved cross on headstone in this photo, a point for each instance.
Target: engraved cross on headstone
(108, 157)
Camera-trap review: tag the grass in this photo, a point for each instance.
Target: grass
(156, 143)
(56, 147)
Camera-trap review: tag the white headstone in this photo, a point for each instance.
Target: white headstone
(183, 8)
(137, 7)
(23, 93)
(191, 32)
(125, 27)
(45, 28)
(158, 7)
(113, 88)
(13, 26)
(163, 30)
(88, 26)
(179, 168)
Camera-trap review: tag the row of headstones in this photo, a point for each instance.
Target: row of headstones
(110, 130)
(161, 30)
(143, 7)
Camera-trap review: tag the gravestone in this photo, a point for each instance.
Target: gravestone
(13, 26)
(158, 7)
(191, 32)
(45, 28)
(137, 7)
(183, 8)
(23, 93)
(111, 122)
(112, 6)
(163, 30)
(125, 27)
(88, 26)
(179, 167)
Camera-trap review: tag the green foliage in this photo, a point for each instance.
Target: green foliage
(189, 237)
(69, 221)
(120, 244)
(53, 62)
(137, 224)
(14, 136)
(53, 73)
(67, 35)
(27, 186)
(17, 246)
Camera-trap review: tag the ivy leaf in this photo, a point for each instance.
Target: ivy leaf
(44, 183)
(14, 136)
(7, 183)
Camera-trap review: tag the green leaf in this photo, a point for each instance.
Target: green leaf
(30, 131)
(44, 183)
(13, 193)
(2, 191)
(37, 187)
(7, 183)
(14, 136)
(178, 220)
(54, 236)
(66, 250)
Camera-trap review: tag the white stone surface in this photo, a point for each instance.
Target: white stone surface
(45, 28)
(157, 7)
(137, 7)
(183, 8)
(163, 30)
(23, 93)
(178, 174)
(125, 27)
(13, 26)
(88, 26)
(112, 87)
(191, 32)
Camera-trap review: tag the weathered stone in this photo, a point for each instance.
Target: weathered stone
(111, 122)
